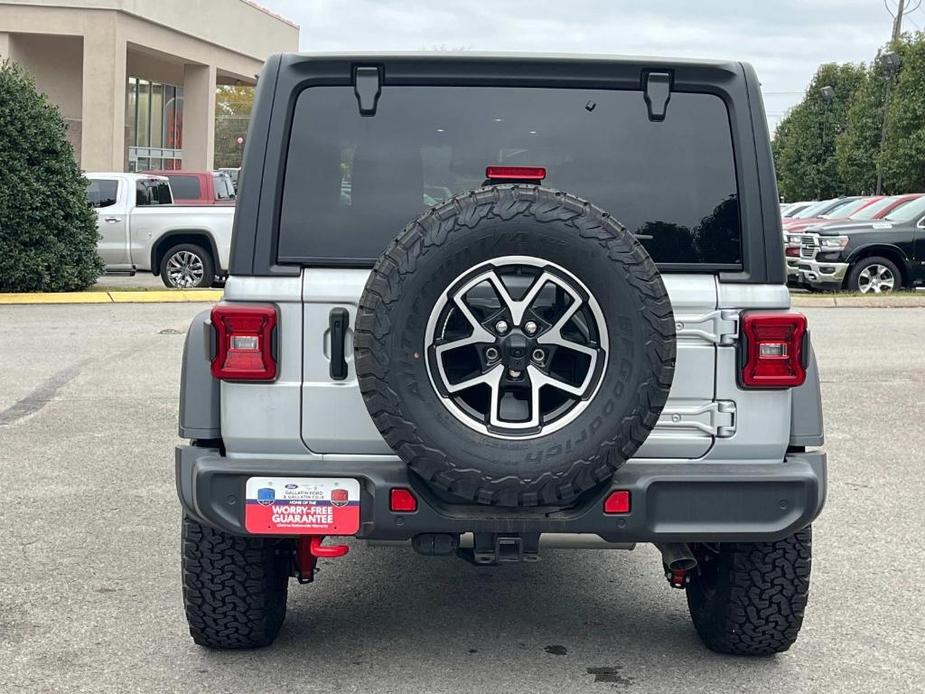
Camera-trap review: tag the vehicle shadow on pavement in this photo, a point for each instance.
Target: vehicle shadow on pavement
(575, 617)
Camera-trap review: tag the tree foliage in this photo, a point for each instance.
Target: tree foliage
(805, 142)
(903, 158)
(48, 231)
(812, 163)
(233, 107)
(858, 145)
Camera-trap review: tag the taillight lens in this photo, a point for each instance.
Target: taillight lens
(773, 345)
(244, 342)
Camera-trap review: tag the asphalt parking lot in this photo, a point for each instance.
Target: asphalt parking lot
(89, 577)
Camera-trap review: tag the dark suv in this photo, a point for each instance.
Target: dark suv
(487, 305)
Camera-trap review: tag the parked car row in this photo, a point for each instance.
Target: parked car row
(144, 228)
(857, 243)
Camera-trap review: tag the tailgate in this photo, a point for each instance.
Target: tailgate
(334, 418)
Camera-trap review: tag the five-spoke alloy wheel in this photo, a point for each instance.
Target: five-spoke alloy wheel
(516, 347)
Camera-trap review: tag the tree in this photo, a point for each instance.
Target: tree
(233, 107)
(903, 157)
(805, 141)
(48, 231)
(858, 146)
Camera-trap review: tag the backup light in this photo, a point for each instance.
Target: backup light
(773, 350)
(244, 337)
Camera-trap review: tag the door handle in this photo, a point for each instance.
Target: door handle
(337, 322)
(112, 219)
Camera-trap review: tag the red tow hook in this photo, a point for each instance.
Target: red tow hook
(308, 550)
(677, 578)
(314, 546)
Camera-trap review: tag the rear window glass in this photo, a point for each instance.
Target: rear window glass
(152, 192)
(102, 192)
(353, 182)
(185, 187)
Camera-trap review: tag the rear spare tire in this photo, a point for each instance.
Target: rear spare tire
(515, 346)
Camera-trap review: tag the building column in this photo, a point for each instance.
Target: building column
(5, 40)
(199, 117)
(102, 137)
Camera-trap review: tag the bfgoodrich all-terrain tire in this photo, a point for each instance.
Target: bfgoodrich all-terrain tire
(234, 588)
(515, 346)
(749, 598)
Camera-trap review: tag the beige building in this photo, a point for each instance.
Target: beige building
(136, 79)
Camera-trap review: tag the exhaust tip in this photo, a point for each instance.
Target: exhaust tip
(677, 556)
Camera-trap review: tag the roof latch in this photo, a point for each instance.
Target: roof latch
(367, 85)
(658, 92)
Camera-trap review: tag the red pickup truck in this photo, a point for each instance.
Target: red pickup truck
(200, 187)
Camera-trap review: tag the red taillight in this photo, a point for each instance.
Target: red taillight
(617, 502)
(515, 173)
(244, 337)
(401, 500)
(773, 344)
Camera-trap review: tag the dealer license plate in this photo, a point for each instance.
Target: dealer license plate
(302, 506)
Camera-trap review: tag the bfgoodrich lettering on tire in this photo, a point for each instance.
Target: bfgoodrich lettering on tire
(515, 346)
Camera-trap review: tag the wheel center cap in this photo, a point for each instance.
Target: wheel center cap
(515, 350)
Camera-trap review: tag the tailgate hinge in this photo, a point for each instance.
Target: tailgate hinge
(715, 418)
(367, 85)
(717, 327)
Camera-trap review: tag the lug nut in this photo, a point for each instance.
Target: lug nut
(501, 327)
(491, 354)
(530, 327)
(539, 355)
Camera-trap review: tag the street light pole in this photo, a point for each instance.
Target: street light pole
(890, 62)
(827, 93)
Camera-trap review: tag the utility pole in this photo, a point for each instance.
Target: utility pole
(903, 7)
(898, 19)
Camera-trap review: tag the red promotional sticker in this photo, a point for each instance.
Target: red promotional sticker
(302, 506)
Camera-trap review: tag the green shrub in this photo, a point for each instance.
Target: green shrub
(47, 230)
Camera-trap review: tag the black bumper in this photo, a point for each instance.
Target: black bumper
(670, 501)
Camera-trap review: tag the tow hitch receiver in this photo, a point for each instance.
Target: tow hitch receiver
(490, 548)
(308, 550)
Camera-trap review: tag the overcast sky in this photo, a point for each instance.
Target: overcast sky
(784, 39)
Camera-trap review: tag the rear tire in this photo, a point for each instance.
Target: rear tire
(187, 266)
(749, 598)
(234, 588)
(875, 275)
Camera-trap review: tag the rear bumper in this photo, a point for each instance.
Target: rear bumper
(670, 501)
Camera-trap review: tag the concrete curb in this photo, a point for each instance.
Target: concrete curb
(883, 301)
(152, 297)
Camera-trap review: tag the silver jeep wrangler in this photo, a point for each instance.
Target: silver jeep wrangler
(486, 305)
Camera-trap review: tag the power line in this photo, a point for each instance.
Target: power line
(902, 10)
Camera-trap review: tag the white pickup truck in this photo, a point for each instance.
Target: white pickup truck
(142, 230)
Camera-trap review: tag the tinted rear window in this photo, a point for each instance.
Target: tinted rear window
(101, 192)
(185, 187)
(353, 182)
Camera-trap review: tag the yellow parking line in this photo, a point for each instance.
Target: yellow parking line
(154, 297)
(56, 298)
